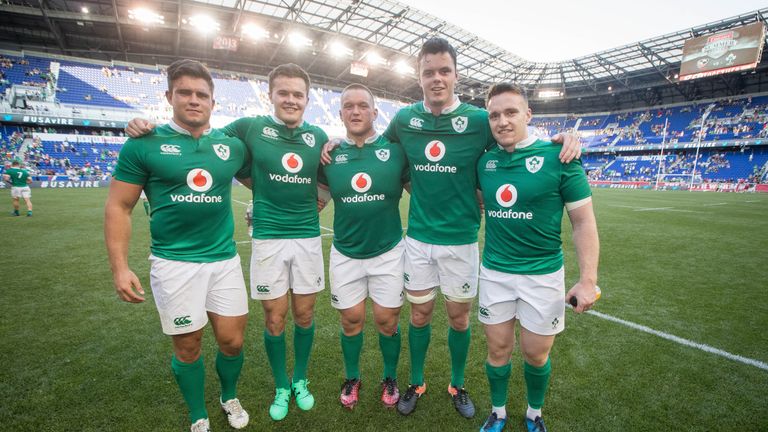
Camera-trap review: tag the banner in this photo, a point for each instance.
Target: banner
(47, 120)
(225, 43)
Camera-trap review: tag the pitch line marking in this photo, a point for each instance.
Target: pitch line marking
(682, 341)
(326, 228)
(715, 204)
(240, 202)
(653, 208)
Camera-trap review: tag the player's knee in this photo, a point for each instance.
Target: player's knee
(420, 318)
(231, 345)
(352, 324)
(302, 319)
(187, 354)
(275, 325)
(535, 357)
(386, 325)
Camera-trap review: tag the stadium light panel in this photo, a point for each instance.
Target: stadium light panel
(402, 67)
(254, 32)
(204, 23)
(145, 16)
(338, 49)
(374, 58)
(84, 10)
(299, 40)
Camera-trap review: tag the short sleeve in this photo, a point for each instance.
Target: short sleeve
(130, 163)
(391, 132)
(573, 182)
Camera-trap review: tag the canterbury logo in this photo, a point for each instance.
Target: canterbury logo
(262, 288)
(182, 321)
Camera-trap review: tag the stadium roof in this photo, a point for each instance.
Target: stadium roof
(639, 73)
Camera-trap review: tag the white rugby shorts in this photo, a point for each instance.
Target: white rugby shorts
(453, 268)
(537, 301)
(21, 192)
(185, 292)
(278, 265)
(379, 277)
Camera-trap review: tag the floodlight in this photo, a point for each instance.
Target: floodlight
(204, 23)
(299, 40)
(375, 59)
(84, 10)
(254, 32)
(145, 16)
(338, 49)
(403, 68)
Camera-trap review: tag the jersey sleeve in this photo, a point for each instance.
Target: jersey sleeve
(322, 178)
(130, 163)
(490, 141)
(245, 170)
(322, 137)
(391, 132)
(238, 128)
(573, 182)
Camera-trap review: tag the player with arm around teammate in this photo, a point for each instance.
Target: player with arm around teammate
(525, 188)
(19, 179)
(366, 178)
(287, 261)
(186, 169)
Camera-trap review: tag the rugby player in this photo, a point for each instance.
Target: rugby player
(524, 188)
(366, 177)
(186, 169)
(20, 180)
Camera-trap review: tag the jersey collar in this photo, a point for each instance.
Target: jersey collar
(522, 144)
(446, 110)
(368, 140)
(183, 131)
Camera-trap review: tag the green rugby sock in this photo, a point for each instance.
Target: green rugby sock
(302, 348)
(537, 382)
(418, 340)
(228, 368)
(498, 379)
(390, 353)
(458, 345)
(191, 380)
(275, 347)
(351, 347)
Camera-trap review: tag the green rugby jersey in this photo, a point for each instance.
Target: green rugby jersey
(188, 183)
(524, 193)
(284, 174)
(366, 185)
(442, 153)
(18, 176)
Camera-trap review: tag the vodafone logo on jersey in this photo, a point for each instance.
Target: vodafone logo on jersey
(199, 180)
(434, 151)
(292, 163)
(506, 195)
(361, 182)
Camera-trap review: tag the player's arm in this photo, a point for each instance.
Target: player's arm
(29, 179)
(323, 196)
(480, 202)
(6, 177)
(587, 244)
(139, 127)
(571, 146)
(117, 234)
(245, 181)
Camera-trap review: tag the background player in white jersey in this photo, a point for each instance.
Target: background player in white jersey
(525, 188)
(186, 170)
(19, 179)
(366, 179)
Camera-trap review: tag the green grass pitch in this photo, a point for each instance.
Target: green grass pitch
(693, 265)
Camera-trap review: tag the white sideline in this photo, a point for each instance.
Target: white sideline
(681, 341)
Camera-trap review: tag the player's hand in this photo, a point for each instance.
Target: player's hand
(320, 205)
(571, 146)
(586, 295)
(325, 155)
(139, 127)
(128, 287)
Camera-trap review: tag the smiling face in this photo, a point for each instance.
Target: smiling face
(289, 96)
(358, 113)
(508, 115)
(437, 77)
(192, 102)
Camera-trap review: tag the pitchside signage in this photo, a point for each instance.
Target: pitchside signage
(727, 51)
(63, 121)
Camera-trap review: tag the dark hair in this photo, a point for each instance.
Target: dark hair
(15, 163)
(506, 87)
(356, 86)
(436, 45)
(191, 68)
(288, 70)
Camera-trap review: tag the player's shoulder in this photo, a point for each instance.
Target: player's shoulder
(491, 154)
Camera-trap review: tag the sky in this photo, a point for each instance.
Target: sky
(555, 30)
